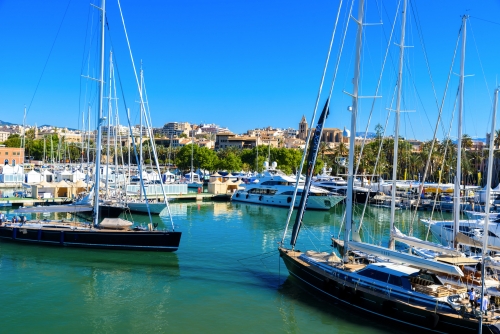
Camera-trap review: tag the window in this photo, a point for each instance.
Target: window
(395, 280)
(13, 162)
(6, 153)
(376, 275)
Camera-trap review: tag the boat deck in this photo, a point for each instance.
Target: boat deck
(492, 317)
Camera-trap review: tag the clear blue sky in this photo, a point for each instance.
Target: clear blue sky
(244, 64)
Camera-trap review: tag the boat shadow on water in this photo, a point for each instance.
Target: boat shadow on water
(335, 315)
(113, 260)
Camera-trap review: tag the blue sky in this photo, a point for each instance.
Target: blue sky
(245, 64)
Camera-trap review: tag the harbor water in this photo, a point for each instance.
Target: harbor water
(226, 277)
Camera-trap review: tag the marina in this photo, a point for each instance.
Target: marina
(113, 223)
(228, 275)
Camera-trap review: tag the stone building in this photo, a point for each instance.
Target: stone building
(331, 136)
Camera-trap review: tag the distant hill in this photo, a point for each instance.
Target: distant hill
(368, 134)
(5, 123)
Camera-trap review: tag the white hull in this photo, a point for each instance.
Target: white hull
(154, 208)
(313, 202)
(443, 231)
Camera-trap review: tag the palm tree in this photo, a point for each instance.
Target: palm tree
(496, 141)
(467, 142)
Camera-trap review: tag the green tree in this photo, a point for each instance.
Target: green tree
(14, 140)
(231, 162)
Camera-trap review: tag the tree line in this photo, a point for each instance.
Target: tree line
(411, 161)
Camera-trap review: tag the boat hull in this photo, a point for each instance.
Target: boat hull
(111, 211)
(95, 238)
(373, 303)
(313, 202)
(154, 208)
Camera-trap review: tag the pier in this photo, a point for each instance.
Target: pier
(20, 201)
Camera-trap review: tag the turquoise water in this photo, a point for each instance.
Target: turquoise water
(226, 277)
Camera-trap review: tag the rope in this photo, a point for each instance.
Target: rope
(48, 57)
(435, 131)
(358, 162)
(290, 211)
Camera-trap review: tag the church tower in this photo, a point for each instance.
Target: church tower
(303, 128)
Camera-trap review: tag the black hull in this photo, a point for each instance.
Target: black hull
(111, 211)
(376, 305)
(360, 196)
(130, 240)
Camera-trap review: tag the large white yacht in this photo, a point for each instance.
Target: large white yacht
(275, 188)
(338, 185)
(443, 231)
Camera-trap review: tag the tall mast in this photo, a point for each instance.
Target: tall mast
(83, 137)
(458, 174)
(99, 118)
(257, 147)
(88, 148)
(140, 126)
(487, 204)
(44, 156)
(396, 135)
(352, 138)
(192, 152)
(23, 141)
(109, 122)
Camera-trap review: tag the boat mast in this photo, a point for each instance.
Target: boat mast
(354, 114)
(487, 204)
(257, 156)
(99, 118)
(109, 123)
(191, 176)
(396, 135)
(23, 140)
(456, 199)
(140, 135)
(83, 138)
(88, 142)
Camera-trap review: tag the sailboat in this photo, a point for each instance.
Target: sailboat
(193, 178)
(111, 233)
(380, 282)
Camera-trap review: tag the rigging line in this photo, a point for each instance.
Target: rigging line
(358, 162)
(443, 162)
(304, 154)
(142, 108)
(481, 65)
(422, 43)
(478, 18)
(139, 165)
(83, 63)
(435, 129)
(48, 57)
(378, 154)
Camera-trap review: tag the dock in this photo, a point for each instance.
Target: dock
(18, 201)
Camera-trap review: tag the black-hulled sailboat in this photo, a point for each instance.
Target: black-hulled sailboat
(111, 233)
(404, 289)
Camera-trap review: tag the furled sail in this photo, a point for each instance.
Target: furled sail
(415, 242)
(311, 162)
(405, 258)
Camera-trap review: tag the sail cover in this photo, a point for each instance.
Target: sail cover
(311, 162)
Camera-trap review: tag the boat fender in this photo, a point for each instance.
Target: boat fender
(432, 320)
(237, 195)
(260, 198)
(247, 196)
(289, 199)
